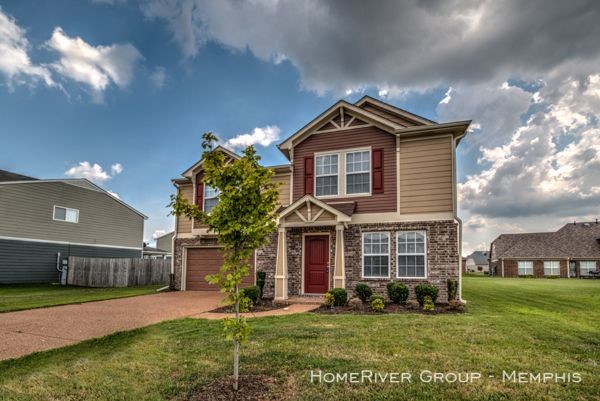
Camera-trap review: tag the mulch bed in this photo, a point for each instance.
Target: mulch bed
(262, 306)
(389, 308)
(251, 388)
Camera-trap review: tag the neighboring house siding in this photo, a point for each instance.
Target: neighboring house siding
(426, 175)
(35, 262)
(184, 225)
(26, 211)
(348, 139)
(284, 188)
(165, 242)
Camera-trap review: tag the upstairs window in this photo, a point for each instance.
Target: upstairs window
(358, 172)
(412, 254)
(525, 267)
(66, 214)
(326, 175)
(211, 198)
(551, 268)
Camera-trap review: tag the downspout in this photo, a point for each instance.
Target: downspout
(457, 219)
(172, 275)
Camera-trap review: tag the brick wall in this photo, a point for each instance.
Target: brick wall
(511, 268)
(443, 260)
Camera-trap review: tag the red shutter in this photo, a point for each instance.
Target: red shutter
(308, 175)
(377, 172)
(200, 195)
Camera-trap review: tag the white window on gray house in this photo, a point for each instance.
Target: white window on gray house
(211, 198)
(326, 183)
(587, 266)
(412, 254)
(376, 255)
(525, 267)
(358, 172)
(551, 268)
(66, 214)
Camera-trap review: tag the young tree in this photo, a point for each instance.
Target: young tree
(242, 221)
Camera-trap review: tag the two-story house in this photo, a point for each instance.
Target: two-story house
(369, 196)
(43, 222)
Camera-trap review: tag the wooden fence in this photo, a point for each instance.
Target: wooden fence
(121, 272)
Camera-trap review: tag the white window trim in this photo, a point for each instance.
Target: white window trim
(595, 265)
(425, 264)
(362, 252)
(369, 172)
(553, 274)
(341, 174)
(321, 154)
(66, 209)
(204, 197)
(519, 270)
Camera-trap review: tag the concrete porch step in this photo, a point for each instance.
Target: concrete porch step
(304, 299)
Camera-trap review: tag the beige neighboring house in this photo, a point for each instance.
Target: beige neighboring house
(163, 247)
(369, 195)
(478, 262)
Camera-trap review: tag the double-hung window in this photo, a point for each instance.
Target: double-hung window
(587, 266)
(525, 267)
(412, 254)
(66, 214)
(211, 198)
(358, 172)
(327, 175)
(376, 255)
(551, 268)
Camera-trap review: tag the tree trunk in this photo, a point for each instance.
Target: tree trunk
(236, 343)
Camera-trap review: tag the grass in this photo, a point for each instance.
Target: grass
(30, 296)
(529, 325)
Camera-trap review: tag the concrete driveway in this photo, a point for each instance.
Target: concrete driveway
(34, 330)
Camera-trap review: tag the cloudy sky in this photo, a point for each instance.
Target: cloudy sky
(120, 92)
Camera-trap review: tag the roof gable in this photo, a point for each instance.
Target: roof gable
(392, 113)
(190, 171)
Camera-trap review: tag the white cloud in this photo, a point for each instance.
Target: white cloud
(116, 168)
(158, 77)
(15, 63)
(263, 136)
(94, 66)
(116, 195)
(158, 233)
(93, 172)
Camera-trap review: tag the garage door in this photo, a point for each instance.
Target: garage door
(203, 261)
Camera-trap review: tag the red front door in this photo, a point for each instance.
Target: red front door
(316, 264)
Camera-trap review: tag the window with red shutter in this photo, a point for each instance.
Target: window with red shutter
(199, 192)
(377, 171)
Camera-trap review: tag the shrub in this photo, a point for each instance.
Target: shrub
(340, 296)
(261, 278)
(253, 293)
(428, 305)
(456, 305)
(355, 303)
(424, 290)
(363, 291)
(452, 289)
(412, 304)
(397, 292)
(377, 303)
(328, 300)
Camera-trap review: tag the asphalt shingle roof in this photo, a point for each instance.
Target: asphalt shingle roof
(9, 176)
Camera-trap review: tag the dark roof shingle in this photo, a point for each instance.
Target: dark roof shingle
(10, 176)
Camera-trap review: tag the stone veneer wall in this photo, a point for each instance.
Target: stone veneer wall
(178, 251)
(443, 260)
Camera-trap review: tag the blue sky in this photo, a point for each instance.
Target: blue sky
(161, 73)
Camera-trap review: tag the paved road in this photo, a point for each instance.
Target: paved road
(34, 330)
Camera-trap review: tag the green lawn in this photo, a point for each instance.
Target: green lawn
(21, 296)
(529, 325)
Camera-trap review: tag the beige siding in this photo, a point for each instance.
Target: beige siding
(426, 175)
(26, 211)
(184, 225)
(165, 242)
(284, 181)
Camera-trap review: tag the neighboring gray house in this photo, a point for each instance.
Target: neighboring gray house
(478, 262)
(42, 222)
(166, 242)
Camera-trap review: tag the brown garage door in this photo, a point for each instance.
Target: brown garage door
(203, 261)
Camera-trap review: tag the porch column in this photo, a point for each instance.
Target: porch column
(339, 273)
(281, 273)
